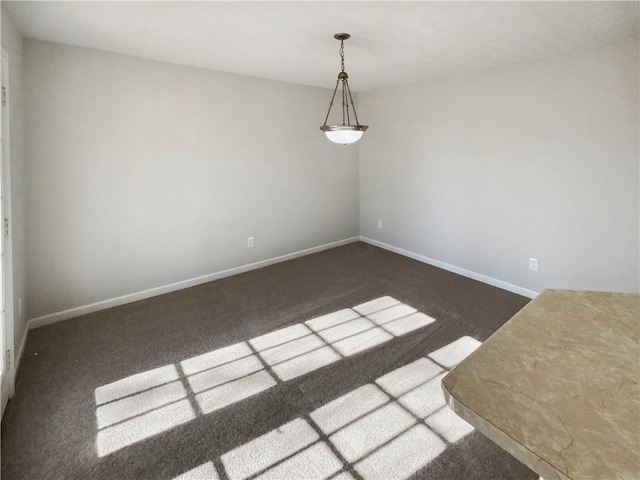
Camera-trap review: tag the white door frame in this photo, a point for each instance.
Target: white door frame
(7, 383)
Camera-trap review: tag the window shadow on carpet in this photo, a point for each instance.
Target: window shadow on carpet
(140, 406)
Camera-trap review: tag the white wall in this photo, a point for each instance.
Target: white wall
(12, 44)
(486, 169)
(143, 173)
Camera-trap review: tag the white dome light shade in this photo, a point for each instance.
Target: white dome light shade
(344, 134)
(344, 137)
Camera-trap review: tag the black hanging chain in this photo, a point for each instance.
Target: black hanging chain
(345, 100)
(346, 94)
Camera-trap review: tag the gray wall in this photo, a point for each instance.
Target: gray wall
(486, 169)
(12, 44)
(142, 173)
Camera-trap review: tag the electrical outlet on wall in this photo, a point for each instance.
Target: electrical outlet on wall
(533, 264)
(380, 224)
(20, 307)
(250, 242)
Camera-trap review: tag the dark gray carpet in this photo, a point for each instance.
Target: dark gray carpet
(50, 427)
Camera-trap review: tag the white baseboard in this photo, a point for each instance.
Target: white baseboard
(452, 268)
(20, 350)
(152, 292)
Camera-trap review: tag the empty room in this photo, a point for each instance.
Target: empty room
(320, 240)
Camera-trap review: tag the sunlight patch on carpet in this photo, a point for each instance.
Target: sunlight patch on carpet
(136, 384)
(332, 319)
(406, 378)
(376, 305)
(279, 337)
(392, 313)
(233, 392)
(372, 431)
(424, 399)
(263, 453)
(292, 349)
(348, 408)
(135, 408)
(144, 426)
(135, 405)
(408, 324)
(390, 428)
(316, 461)
(403, 456)
(206, 471)
(448, 424)
(307, 363)
(215, 358)
(346, 329)
(362, 341)
(452, 354)
(227, 373)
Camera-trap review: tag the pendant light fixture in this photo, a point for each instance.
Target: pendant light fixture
(347, 132)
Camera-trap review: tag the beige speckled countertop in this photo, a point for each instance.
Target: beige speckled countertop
(557, 386)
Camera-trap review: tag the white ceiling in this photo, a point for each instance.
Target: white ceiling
(392, 42)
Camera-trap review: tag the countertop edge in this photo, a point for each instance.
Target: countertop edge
(493, 433)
